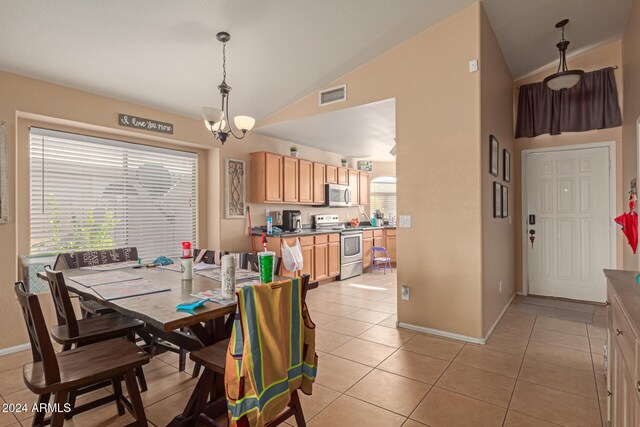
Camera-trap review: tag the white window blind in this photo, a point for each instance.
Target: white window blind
(383, 196)
(91, 193)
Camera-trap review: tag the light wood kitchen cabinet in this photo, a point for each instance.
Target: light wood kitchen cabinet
(266, 178)
(367, 244)
(363, 188)
(334, 256)
(320, 254)
(318, 183)
(354, 185)
(343, 176)
(331, 176)
(290, 179)
(390, 244)
(623, 349)
(305, 181)
(321, 261)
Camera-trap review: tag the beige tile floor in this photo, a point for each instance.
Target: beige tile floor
(534, 371)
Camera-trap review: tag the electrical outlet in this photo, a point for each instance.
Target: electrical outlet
(405, 293)
(473, 65)
(500, 287)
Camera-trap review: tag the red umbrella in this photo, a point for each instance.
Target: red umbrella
(629, 223)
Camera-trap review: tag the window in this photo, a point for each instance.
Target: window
(383, 196)
(92, 193)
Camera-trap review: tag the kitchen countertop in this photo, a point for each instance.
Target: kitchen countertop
(313, 232)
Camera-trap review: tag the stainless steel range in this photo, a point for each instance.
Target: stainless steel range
(350, 244)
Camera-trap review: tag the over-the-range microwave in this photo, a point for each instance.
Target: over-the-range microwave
(336, 195)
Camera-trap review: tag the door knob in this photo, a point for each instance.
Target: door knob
(532, 237)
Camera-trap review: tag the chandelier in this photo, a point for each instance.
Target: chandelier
(217, 119)
(563, 78)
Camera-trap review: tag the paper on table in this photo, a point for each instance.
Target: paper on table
(131, 288)
(98, 279)
(173, 267)
(111, 267)
(203, 266)
(216, 295)
(241, 274)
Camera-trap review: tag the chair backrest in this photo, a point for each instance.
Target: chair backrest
(249, 261)
(378, 249)
(88, 258)
(210, 256)
(62, 301)
(41, 347)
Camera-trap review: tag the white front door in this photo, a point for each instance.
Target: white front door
(568, 199)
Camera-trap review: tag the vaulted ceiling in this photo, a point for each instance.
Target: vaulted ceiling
(163, 53)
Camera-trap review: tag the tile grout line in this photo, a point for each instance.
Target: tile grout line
(595, 378)
(519, 370)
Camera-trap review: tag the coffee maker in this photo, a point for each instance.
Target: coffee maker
(291, 220)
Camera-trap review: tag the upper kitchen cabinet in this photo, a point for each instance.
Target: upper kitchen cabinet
(332, 174)
(354, 185)
(290, 179)
(319, 171)
(343, 176)
(306, 181)
(363, 188)
(266, 178)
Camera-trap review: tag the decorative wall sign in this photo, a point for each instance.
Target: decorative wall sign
(4, 197)
(146, 124)
(235, 188)
(494, 154)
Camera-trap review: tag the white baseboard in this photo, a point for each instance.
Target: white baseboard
(441, 333)
(504, 310)
(524, 294)
(458, 336)
(14, 349)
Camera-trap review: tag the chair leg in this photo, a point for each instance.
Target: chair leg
(196, 370)
(117, 391)
(57, 418)
(136, 400)
(182, 360)
(72, 403)
(297, 409)
(141, 379)
(43, 399)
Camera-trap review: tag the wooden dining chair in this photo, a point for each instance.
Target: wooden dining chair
(70, 260)
(71, 332)
(86, 367)
(208, 399)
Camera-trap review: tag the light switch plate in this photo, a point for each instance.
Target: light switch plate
(473, 65)
(405, 221)
(406, 294)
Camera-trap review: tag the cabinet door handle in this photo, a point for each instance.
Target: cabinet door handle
(607, 303)
(609, 393)
(619, 332)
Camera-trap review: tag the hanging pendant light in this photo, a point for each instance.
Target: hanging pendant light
(564, 78)
(217, 119)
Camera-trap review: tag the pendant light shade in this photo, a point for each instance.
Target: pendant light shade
(564, 78)
(212, 115)
(244, 123)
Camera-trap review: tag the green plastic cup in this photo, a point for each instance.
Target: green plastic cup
(265, 262)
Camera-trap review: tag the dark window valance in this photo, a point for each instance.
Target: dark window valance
(591, 104)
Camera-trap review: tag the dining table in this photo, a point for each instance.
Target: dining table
(206, 325)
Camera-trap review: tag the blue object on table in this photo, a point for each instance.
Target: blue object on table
(162, 260)
(192, 306)
(638, 279)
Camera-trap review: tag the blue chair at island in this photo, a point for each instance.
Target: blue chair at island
(380, 259)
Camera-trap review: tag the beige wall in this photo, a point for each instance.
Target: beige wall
(631, 111)
(383, 169)
(496, 86)
(27, 102)
(438, 166)
(597, 58)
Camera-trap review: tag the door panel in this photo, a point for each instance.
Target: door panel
(305, 183)
(568, 192)
(334, 259)
(290, 179)
(273, 172)
(318, 183)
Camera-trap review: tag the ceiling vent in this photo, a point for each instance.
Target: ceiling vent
(333, 95)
